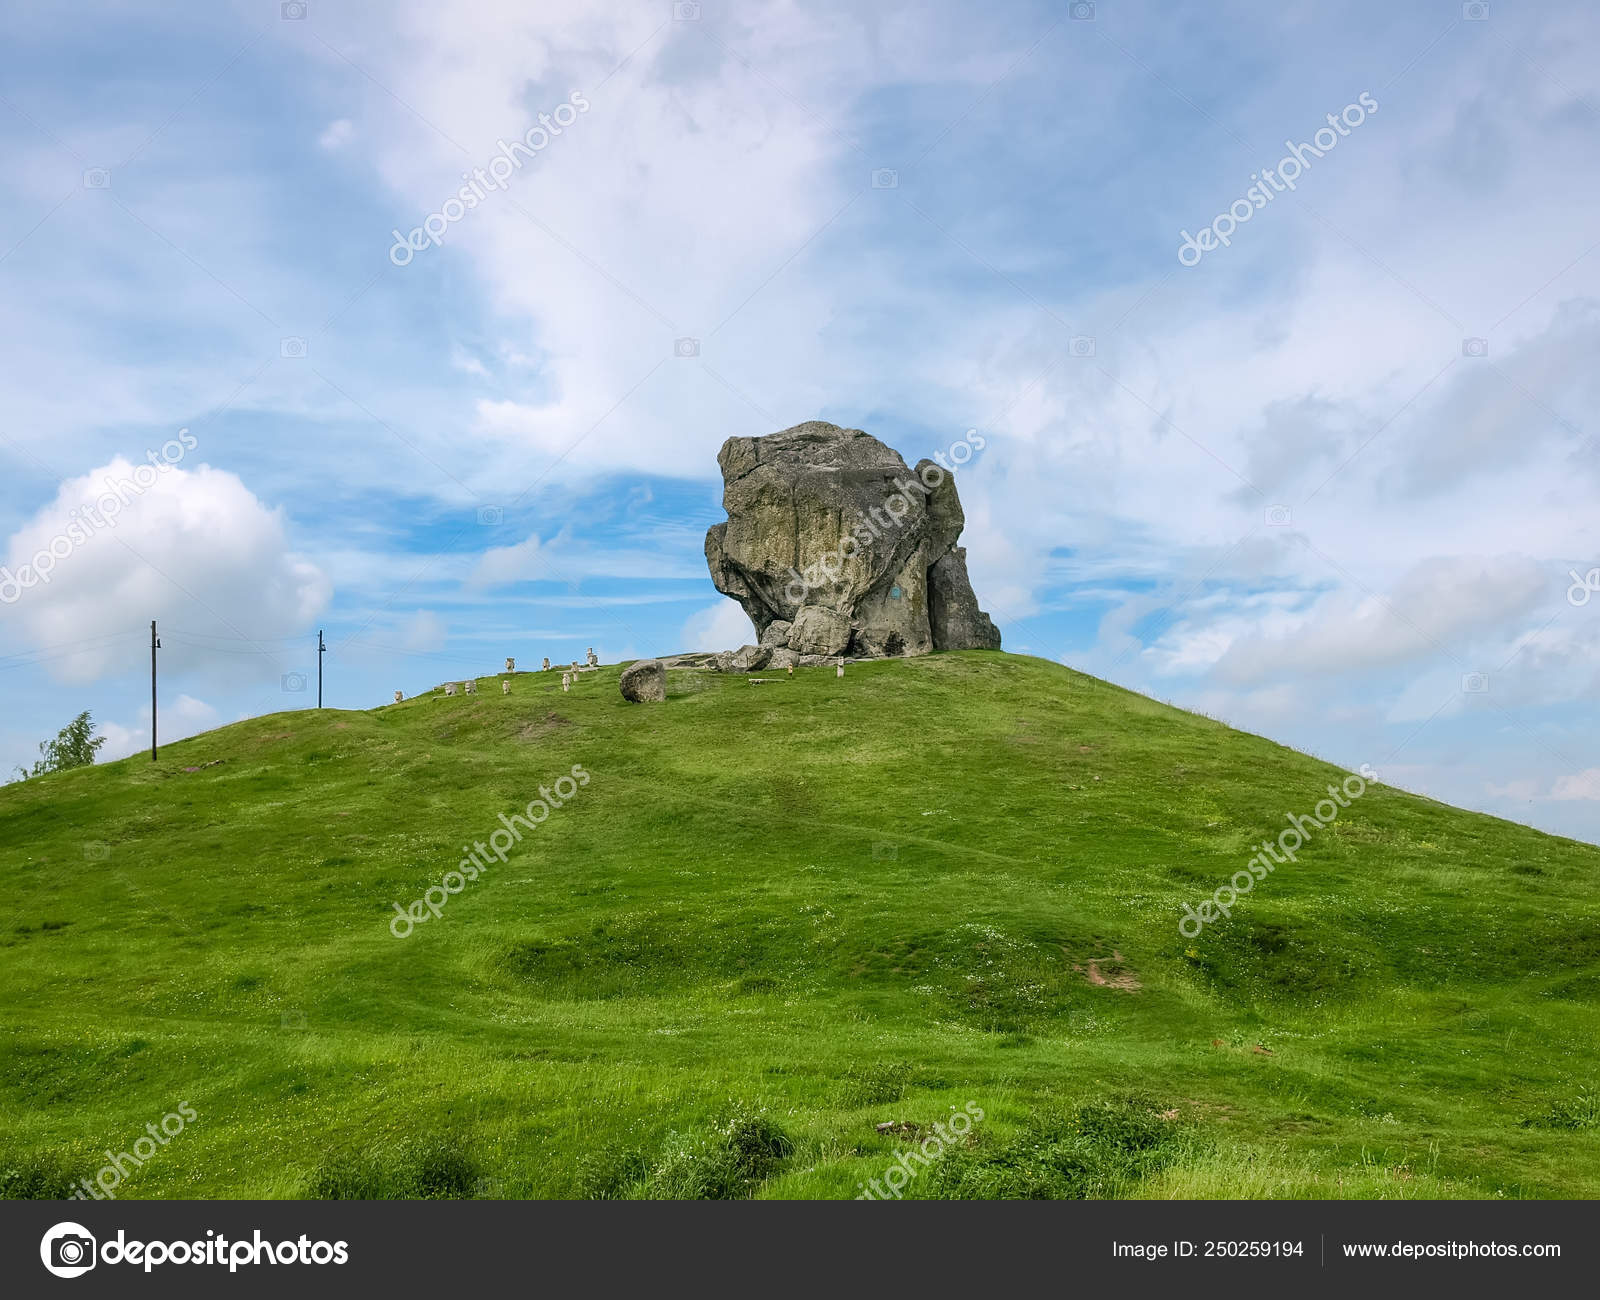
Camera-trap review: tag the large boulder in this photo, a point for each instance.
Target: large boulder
(644, 682)
(833, 546)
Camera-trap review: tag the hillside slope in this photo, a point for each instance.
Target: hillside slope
(775, 917)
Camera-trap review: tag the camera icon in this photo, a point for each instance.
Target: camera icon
(885, 851)
(294, 348)
(885, 178)
(1474, 347)
(96, 851)
(292, 10)
(1279, 516)
(685, 347)
(292, 1020)
(1475, 683)
(491, 516)
(686, 11)
(1082, 346)
(1082, 10)
(293, 683)
(1475, 11)
(97, 178)
(68, 1250)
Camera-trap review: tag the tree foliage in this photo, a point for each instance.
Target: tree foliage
(75, 745)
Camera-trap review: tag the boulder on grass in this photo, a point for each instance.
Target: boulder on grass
(751, 658)
(644, 682)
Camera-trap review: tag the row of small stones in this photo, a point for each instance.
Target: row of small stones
(470, 687)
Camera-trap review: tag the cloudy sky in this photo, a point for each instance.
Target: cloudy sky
(1330, 483)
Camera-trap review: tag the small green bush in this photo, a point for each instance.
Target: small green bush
(35, 1176)
(1100, 1150)
(428, 1170)
(720, 1164)
(1580, 1113)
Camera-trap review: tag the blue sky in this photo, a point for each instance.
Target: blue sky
(1280, 486)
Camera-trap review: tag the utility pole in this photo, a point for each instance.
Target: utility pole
(322, 649)
(155, 644)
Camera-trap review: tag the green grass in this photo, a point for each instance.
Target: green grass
(776, 917)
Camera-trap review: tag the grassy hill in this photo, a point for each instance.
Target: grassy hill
(776, 917)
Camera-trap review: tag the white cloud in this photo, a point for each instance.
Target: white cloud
(180, 718)
(1575, 787)
(195, 551)
(1437, 606)
(561, 559)
(1583, 785)
(467, 364)
(723, 626)
(502, 565)
(337, 134)
(424, 631)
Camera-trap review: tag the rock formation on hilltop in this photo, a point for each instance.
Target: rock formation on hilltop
(835, 547)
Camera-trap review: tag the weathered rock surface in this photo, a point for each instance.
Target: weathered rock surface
(691, 659)
(819, 630)
(953, 613)
(833, 546)
(751, 658)
(644, 682)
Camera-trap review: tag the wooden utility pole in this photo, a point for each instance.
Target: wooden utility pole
(322, 649)
(155, 644)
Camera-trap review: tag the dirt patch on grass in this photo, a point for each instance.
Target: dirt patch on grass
(1109, 973)
(543, 727)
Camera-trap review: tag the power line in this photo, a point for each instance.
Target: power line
(247, 640)
(65, 645)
